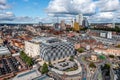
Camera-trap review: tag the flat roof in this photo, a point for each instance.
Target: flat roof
(4, 50)
(48, 40)
(27, 75)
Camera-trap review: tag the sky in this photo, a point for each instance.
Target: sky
(34, 11)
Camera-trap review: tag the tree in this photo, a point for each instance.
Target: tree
(92, 65)
(69, 29)
(23, 56)
(29, 61)
(44, 68)
(83, 29)
(116, 29)
(71, 58)
(102, 57)
(107, 66)
(111, 56)
(26, 59)
(118, 46)
(50, 64)
(80, 50)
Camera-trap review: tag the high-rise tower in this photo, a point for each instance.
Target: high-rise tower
(79, 19)
(85, 22)
(62, 25)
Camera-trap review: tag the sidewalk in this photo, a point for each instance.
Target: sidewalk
(73, 78)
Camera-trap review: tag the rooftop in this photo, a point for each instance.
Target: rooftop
(28, 75)
(48, 40)
(102, 31)
(4, 50)
(44, 77)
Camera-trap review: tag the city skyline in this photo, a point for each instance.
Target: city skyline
(34, 11)
(59, 39)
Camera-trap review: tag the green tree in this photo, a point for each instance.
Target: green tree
(118, 46)
(92, 65)
(111, 56)
(44, 68)
(69, 29)
(80, 50)
(71, 58)
(102, 57)
(107, 66)
(50, 64)
(26, 59)
(117, 29)
(29, 61)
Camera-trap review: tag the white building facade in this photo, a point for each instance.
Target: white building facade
(79, 19)
(32, 49)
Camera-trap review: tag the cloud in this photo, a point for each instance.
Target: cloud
(108, 5)
(11, 18)
(23, 18)
(96, 10)
(60, 15)
(2, 1)
(102, 17)
(106, 15)
(7, 16)
(82, 6)
(4, 5)
(71, 7)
